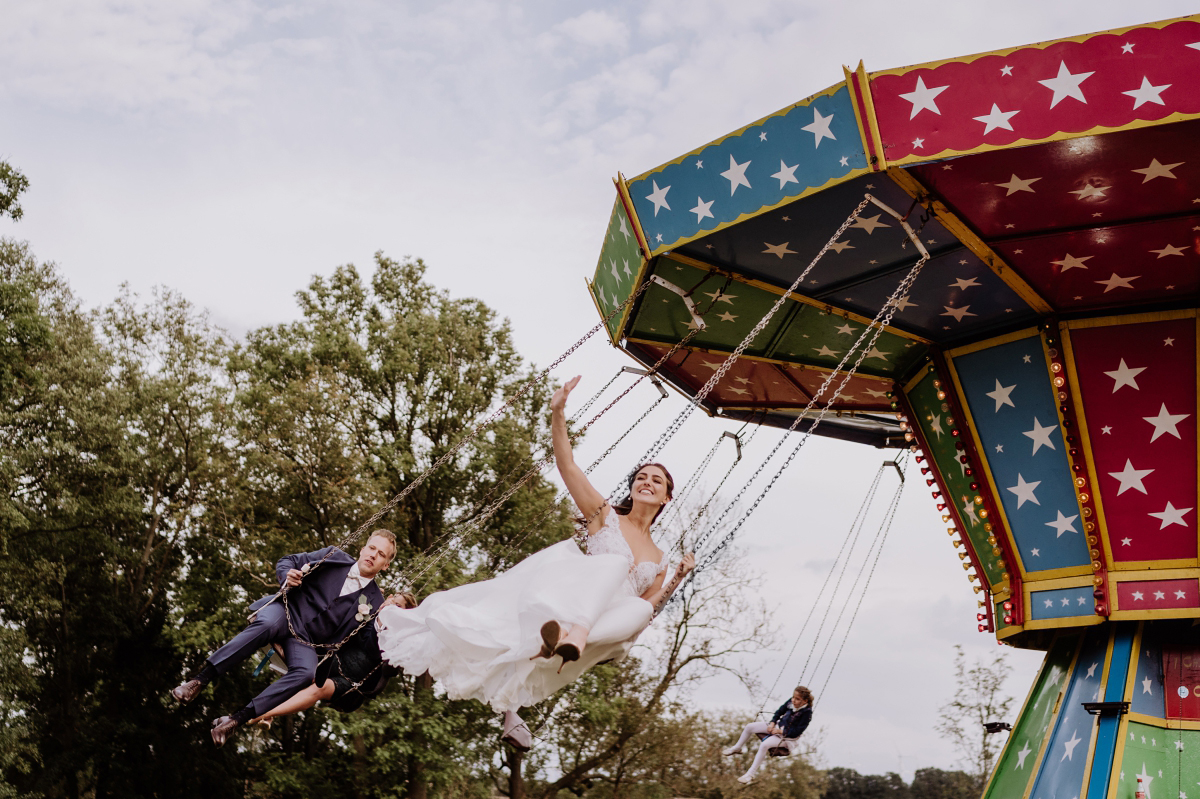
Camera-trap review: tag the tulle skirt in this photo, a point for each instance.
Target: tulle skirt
(477, 639)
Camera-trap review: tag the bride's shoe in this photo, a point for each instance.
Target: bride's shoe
(551, 631)
(570, 648)
(516, 732)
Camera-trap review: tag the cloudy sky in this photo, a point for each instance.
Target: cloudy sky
(230, 149)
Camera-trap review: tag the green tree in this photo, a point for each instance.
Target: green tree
(933, 783)
(846, 783)
(109, 426)
(340, 411)
(12, 185)
(979, 697)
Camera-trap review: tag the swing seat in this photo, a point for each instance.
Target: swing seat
(779, 751)
(273, 659)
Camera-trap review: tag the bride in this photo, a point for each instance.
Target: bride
(514, 640)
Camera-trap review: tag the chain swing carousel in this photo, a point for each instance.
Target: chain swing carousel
(1042, 365)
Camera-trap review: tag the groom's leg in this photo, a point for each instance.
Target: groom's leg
(270, 624)
(302, 668)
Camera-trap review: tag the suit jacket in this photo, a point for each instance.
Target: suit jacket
(793, 722)
(317, 613)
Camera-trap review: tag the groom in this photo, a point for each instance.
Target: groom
(322, 602)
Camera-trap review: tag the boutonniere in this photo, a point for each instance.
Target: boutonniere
(364, 608)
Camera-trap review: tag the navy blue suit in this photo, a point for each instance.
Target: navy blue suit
(318, 615)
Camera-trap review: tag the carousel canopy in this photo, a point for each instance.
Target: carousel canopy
(1044, 358)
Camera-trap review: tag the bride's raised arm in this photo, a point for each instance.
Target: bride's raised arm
(587, 498)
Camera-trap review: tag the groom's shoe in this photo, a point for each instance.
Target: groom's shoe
(187, 691)
(223, 728)
(516, 732)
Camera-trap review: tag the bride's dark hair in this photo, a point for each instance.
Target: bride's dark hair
(624, 506)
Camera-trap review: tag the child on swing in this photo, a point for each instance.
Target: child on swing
(781, 732)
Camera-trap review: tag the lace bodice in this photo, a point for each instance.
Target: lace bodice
(608, 540)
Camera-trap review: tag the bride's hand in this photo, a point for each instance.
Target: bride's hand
(686, 565)
(559, 401)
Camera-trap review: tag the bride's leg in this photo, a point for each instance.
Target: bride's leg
(301, 701)
(577, 634)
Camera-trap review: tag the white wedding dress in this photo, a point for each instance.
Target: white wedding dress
(477, 639)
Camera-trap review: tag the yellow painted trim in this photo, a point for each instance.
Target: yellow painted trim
(759, 359)
(1157, 574)
(631, 212)
(1124, 567)
(916, 379)
(1132, 319)
(1035, 45)
(803, 299)
(807, 101)
(1062, 582)
(1163, 724)
(1089, 461)
(963, 232)
(1052, 722)
(668, 246)
(868, 129)
(865, 81)
(1066, 571)
(1004, 633)
(1067, 621)
(1062, 427)
(1098, 130)
(969, 423)
(1156, 613)
(1007, 338)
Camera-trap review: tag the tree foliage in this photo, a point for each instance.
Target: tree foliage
(12, 185)
(979, 697)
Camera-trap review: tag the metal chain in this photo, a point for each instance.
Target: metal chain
(474, 432)
(541, 464)
(876, 328)
(855, 529)
(886, 528)
(720, 373)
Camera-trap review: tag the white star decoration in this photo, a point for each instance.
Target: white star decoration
(923, 98)
(1069, 746)
(964, 283)
(779, 250)
(1165, 423)
(996, 119)
(1071, 262)
(1157, 170)
(703, 209)
(1147, 93)
(736, 175)
(1002, 395)
(1171, 515)
(658, 197)
(869, 223)
(819, 128)
(1130, 477)
(786, 174)
(957, 313)
(1021, 755)
(1117, 282)
(1024, 491)
(1016, 184)
(1040, 435)
(1065, 85)
(1168, 250)
(1125, 376)
(1063, 524)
